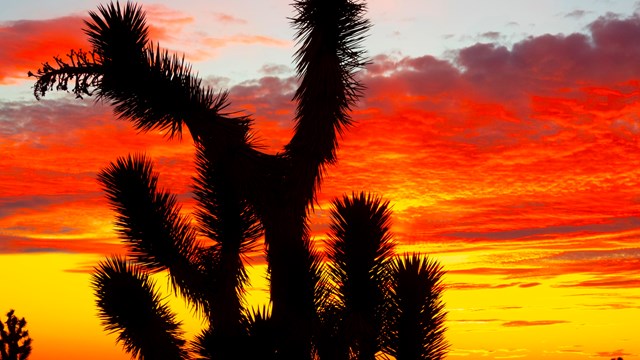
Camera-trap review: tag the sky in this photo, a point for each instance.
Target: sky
(505, 134)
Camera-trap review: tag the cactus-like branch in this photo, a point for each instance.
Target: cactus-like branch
(150, 223)
(360, 247)
(329, 33)
(226, 217)
(417, 314)
(130, 306)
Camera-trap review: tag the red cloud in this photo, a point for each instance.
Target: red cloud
(619, 353)
(35, 245)
(520, 323)
(611, 282)
(477, 286)
(480, 286)
(619, 270)
(25, 43)
(528, 285)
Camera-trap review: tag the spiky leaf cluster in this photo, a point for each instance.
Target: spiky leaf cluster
(78, 72)
(416, 311)
(381, 303)
(359, 249)
(130, 306)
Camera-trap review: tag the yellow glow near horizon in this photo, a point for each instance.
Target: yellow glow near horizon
(58, 303)
(483, 323)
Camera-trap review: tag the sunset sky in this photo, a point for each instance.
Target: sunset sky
(506, 135)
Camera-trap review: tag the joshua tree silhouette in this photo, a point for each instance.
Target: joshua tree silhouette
(15, 343)
(364, 302)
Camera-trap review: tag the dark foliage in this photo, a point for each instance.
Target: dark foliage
(15, 343)
(359, 250)
(149, 221)
(329, 34)
(130, 307)
(335, 311)
(416, 310)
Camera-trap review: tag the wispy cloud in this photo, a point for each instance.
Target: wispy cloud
(615, 353)
(607, 282)
(554, 231)
(481, 286)
(521, 323)
(244, 39)
(229, 19)
(576, 14)
(15, 244)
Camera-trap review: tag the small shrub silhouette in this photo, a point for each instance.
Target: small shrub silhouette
(15, 343)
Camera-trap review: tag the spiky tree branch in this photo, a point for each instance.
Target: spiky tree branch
(81, 68)
(329, 34)
(416, 319)
(149, 221)
(226, 217)
(327, 91)
(360, 248)
(130, 307)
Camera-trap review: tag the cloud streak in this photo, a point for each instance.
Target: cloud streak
(524, 323)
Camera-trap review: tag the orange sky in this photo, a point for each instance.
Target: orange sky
(518, 167)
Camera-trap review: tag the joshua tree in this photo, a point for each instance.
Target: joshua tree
(15, 343)
(241, 194)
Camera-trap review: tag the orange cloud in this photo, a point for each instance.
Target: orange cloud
(520, 323)
(13, 245)
(165, 23)
(608, 282)
(243, 39)
(228, 18)
(479, 286)
(24, 43)
(619, 353)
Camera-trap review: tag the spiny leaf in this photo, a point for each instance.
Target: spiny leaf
(130, 307)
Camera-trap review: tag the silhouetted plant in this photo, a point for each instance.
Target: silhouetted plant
(344, 310)
(416, 310)
(360, 249)
(15, 343)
